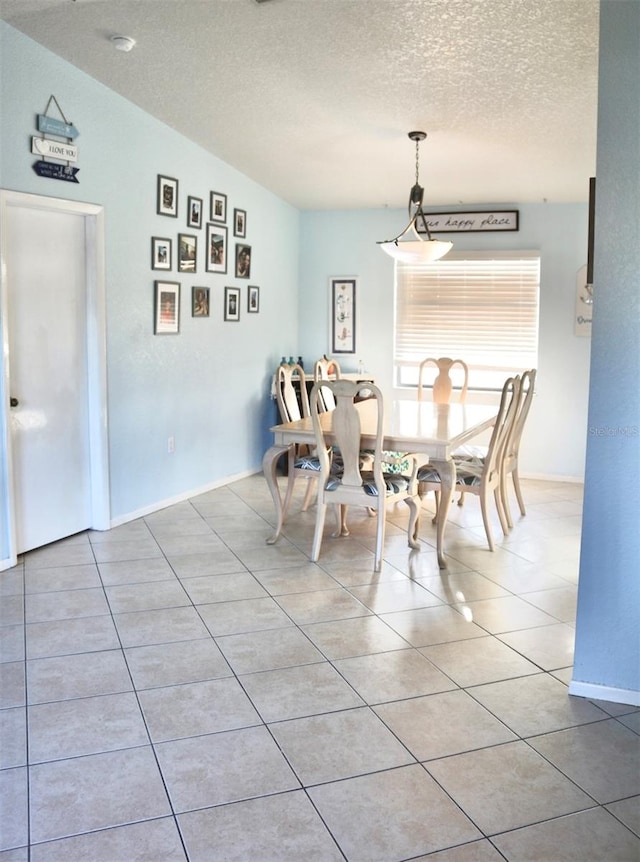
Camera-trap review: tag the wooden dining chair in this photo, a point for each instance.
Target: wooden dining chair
(293, 404)
(512, 447)
(326, 369)
(371, 488)
(443, 385)
(484, 475)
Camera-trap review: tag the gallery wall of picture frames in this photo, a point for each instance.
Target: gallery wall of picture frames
(184, 253)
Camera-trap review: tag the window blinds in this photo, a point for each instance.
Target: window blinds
(478, 306)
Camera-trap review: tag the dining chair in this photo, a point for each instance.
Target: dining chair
(443, 385)
(481, 476)
(371, 488)
(512, 447)
(326, 369)
(293, 404)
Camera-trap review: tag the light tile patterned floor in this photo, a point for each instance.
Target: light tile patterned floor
(176, 689)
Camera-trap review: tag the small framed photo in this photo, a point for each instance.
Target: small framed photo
(167, 307)
(216, 260)
(243, 261)
(160, 253)
(167, 203)
(199, 302)
(239, 223)
(218, 207)
(187, 252)
(343, 315)
(253, 299)
(194, 212)
(232, 303)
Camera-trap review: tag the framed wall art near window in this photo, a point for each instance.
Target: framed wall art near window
(187, 252)
(243, 261)
(167, 307)
(240, 223)
(194, 212)
(343, 315)
(216, 260)
(253, 299)
(218, 207)
(160, 253)
(232, 303)
(199, 302)
(167, 202)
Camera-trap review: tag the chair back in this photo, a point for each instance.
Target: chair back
(442, 388)
(326, 369)
(346, 446)
(527, 388)
(502, 429)
(291, 393)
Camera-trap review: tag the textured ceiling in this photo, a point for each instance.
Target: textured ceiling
(314, 98)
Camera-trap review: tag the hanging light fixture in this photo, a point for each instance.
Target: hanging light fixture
(418, 250)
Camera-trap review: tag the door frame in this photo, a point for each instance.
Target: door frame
(96, 331)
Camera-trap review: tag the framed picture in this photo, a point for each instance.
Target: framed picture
(239, 223)
(167, 203)
(187, 252)
(194, 212)
(243, 261)
(216, 260)
(253, 299)
(232, 303)
(160, 253)
(218, 207)
(199, 302)
(167, 307)
(343, 315)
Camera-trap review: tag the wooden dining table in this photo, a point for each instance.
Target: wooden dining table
(417, 427)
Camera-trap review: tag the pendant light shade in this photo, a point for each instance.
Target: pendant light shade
(416, 249)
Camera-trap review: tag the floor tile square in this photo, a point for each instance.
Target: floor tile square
(139, 549)
(535, 704)
(196, 708)
(426, 626)
(11, 643)
(125, 598)
(442, 724)
(68, 797)
(338, 745)
(82, 675)
(628, 812)
(76, 552)
(322, 606)
(280, 828)
(392, 675)
(174, 663)
(12, 610)
(136, 572)
(507, 786)
(12, 684)
(62, 578)
(396, 814)
(550, 647)
(218, 561)
(395, 596)
(65, 637)
(602, 758)
(246, 615)
(507, 614)
(65, 605)
(268, 650)
(559, 603)
(223, 588)
(475, 851)
(588, 835)
(360, 572)
(477, 661)
(359, 636)
(142, 628)
(299, 579)
(223, 767)
(458, 587)
(294, 692)
(13, 737)
(131, 531)
(14, 796)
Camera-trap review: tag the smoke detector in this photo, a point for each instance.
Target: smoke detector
(123, 43)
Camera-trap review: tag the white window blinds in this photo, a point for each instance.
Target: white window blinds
(478, 306)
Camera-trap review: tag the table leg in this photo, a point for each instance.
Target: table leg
(447, 472)
(269, 464)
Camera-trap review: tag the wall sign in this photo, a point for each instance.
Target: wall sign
(62, 151)
(470, 222)
(54, 149)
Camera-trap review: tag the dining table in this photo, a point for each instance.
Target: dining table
(420, 428)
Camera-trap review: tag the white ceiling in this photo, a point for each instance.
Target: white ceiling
(314, 98)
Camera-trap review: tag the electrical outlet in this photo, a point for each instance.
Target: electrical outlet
(171, 445)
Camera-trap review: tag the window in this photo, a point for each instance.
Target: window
(481, 307)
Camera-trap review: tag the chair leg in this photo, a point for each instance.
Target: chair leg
(291, 457)
(461, 499)
(382, 519)
(516, 485)
(504, 498)
(414, 522)
(501, 514)
(436, 496)
(308, 494)
(486, 522)
(317, 536)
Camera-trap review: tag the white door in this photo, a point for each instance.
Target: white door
(48, 304)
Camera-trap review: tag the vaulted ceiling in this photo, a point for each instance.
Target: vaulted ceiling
(313, 99)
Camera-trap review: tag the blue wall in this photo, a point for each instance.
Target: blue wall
(209, 386)
(608, 630)
(344, 243)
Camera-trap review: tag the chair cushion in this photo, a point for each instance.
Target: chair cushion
(307, 462)
(476, 454)
(394, 483)
(464, 475)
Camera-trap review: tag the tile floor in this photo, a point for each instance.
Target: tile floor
(175, 689)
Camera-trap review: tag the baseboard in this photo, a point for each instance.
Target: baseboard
(180, 498)
(604, 692)
(553, 477)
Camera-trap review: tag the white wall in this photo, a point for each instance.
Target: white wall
(344, 243)
(208, 386)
